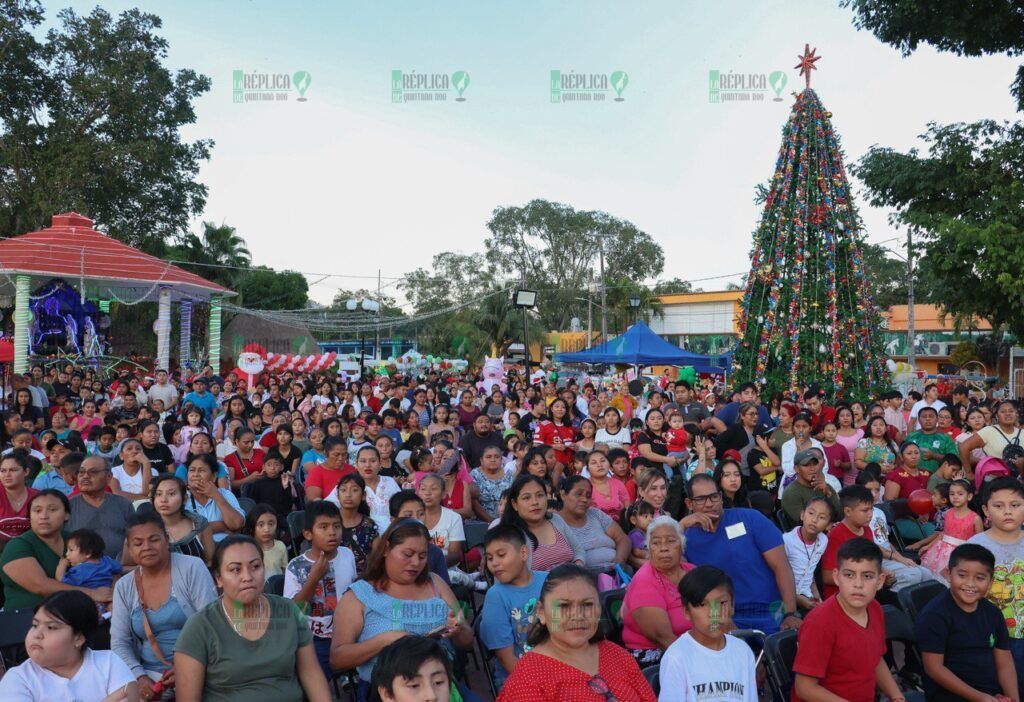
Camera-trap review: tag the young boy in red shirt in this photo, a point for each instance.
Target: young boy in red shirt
(842, 640)
(858, 507)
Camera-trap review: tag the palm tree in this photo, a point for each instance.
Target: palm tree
(621, 313)
(495, 317)
(219, 256)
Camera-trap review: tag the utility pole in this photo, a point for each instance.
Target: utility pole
(604, 298)
(526, 332)
(910, 299)
(590, 313)
(376, 339)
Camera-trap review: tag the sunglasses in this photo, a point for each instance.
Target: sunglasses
(598, 686)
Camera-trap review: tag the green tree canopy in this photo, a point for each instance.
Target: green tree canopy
(965, 200)
(556, 248)
(887, 277)
(220, 254)
(263, 288)
(673, 286)
(90, 121)
(964, 28)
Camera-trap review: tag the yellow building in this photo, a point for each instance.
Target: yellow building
(702, 322)
(707, 323)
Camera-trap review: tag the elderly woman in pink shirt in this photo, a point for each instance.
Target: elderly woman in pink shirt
(652, 612)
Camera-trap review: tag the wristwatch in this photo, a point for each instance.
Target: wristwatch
(791, 614)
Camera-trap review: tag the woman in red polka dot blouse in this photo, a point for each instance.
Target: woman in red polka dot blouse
(567, 661)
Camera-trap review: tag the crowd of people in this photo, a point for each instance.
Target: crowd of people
(216, 539)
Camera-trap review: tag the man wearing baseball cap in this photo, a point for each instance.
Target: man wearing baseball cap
(811, 481)
(202, 399)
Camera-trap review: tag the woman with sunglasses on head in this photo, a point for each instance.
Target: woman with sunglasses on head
(568, 660)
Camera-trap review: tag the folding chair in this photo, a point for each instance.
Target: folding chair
(274, 585)
(475, 532)
(779, 657)
(247, 504)
(295, 520)
(14, 625)
(890, 509)
(651, 673)
(782, 519)
(914, 598)
(900, 629)
(611, 613)
(754, 639)
(487, 658)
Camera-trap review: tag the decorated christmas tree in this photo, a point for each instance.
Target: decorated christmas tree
(808, 317)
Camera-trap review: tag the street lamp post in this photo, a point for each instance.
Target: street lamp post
(525, 300)
(367, 305)
(634, 302)
(909, 260)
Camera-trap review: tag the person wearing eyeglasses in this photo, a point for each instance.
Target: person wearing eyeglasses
(811, 481)
(95, 508)
(568, 660)
(749, 548)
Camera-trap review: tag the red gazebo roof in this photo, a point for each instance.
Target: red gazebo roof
(70, 248)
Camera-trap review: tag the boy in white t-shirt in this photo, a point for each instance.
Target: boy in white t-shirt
(805, 545)
(705, 663)
(318, 578)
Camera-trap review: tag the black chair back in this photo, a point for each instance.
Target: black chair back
(487, 657)
(247, 504)
(914, 598)
(782, 519)
(274, 585)
(295, 520)
(651, 673)
(611, 613)
(899, 629)
(779, 657)
(475, 532)
(898, 626)
(14, 625)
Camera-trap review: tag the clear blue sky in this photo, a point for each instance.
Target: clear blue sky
(349, 183)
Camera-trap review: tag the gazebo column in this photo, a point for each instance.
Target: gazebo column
(21, 323)
(185, 310)
(163, 328)
(214, 361)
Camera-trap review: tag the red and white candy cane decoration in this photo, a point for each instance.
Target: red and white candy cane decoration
(277, 362)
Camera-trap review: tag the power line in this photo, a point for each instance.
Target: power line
(371, 322)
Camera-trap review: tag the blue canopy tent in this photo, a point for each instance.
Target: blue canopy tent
(640, 346)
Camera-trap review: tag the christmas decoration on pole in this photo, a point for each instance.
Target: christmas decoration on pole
(215, 307)
(808, 317)
(22, 319)
(185, 340)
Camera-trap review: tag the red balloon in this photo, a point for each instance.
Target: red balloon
(920, 502)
